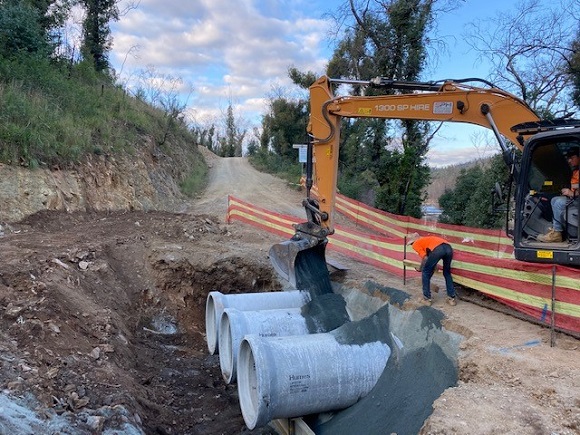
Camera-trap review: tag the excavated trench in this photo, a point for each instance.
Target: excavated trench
(120, 341)
(422, 362)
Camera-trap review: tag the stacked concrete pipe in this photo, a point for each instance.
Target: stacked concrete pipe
(294, 361)
(285, 377)
(216, 303)
(236, 324)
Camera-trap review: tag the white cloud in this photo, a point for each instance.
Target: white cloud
(227, 51)
(460, 143)
(440, 157)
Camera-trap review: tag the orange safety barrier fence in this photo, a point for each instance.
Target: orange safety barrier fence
(489, 243)
(526, 287)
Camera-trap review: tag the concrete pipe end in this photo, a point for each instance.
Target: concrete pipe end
(226, 348)
(253, 404)
(211, 320)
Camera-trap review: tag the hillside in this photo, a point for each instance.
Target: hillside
(445, 178)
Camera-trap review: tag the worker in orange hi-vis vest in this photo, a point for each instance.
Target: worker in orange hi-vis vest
(431, 249)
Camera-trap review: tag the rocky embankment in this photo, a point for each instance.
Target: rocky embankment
(145, 180)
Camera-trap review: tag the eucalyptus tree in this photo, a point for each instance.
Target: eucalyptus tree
(97, 40)
(283, 126)
(574, 70)
(21, 30)
(388, 39)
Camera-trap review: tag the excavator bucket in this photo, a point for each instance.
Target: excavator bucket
(302, 265)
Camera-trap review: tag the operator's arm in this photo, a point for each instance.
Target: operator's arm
(570, 193)
(573, 191)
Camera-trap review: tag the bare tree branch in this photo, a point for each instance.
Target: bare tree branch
(530, 49)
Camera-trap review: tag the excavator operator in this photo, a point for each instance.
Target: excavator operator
(562, 202)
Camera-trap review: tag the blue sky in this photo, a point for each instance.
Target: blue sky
(239, 51)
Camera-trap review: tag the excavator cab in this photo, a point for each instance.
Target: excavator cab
(544, 172)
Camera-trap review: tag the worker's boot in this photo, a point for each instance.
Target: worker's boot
(551, 236)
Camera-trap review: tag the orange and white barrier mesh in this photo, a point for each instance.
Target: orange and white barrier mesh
(483, 259)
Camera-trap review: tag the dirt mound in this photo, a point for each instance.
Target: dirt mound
(106, 311)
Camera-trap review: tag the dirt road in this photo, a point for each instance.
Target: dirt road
(235, 176)
(102, 326)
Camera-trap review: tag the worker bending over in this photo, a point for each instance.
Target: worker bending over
(431, 249)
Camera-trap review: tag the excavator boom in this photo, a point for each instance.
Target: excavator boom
(492, 108)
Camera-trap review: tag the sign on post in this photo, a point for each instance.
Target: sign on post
(302, 149)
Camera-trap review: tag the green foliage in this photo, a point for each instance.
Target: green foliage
(304, 80)
(399, 175)
(286, 168)
(54, 114)
(361, 188)
(97, 39)
(388, 40)
(454, 202)
(205, 137)
(21, 31)
(363, 143)
(469, 203)
(231, 145)
(196, 180)
(52, 13)
(402, 189)
(574, 70)
(284, 126)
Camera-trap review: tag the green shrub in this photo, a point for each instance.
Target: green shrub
(287, 169)
(55, 113)
(195, 181)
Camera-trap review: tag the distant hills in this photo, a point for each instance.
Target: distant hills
(445, 178)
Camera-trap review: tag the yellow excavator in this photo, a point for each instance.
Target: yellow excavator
(541, 173)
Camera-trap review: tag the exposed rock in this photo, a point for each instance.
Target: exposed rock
(101, 183)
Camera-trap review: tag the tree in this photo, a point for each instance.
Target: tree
(283, 126)
(53, 13)
(234, 137)
(469, 203)
(406, 175)
(531, 51)
(454, 202)
(574, 70)
(96, 31)
(21, 30)
(388, 39)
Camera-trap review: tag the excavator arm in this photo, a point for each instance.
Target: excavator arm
(301, 260)
(449, 101)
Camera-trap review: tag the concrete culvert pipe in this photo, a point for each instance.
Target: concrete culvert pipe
(286, 377)
(217, 301)
(236, 324)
